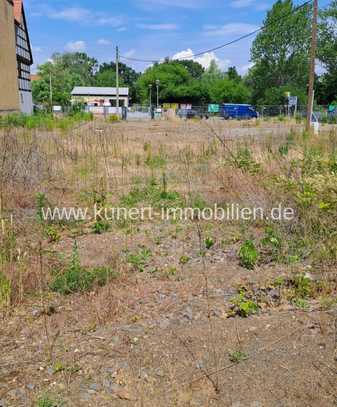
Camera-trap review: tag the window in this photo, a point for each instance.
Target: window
(24, 77)
(22, 46)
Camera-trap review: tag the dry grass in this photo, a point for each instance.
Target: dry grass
(166, 311)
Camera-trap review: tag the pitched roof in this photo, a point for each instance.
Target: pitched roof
(18, 10)
(98, 91)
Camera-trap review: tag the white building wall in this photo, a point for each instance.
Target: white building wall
(26, 102)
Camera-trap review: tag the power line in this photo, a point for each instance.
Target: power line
(222, 45)
(139, 60)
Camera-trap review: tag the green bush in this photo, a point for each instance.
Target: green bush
(303, 286)
(44, 120)
(237, 356)
(153, 194)
(139, 260)
(209, 243)
(77, 278)
(5, 290)
(100, 227)
(113, 118)
(243, 306)
(47, 401)
(244, 160)
(248, 254)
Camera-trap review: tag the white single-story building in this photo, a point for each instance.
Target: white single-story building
(100, 96)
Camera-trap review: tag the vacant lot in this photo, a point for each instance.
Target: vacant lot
(168, 311)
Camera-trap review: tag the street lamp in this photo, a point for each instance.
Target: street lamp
(157, 84)
(150, 95)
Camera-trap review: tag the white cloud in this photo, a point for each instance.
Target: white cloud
(130, 53)
(111, 21)
(242, 3)
(258, 5)
(262, 6)
(245, 68)
(76, 46)
(230, 28)
(70, 14)
(204, 60)
(158, 27)
(188, 4)
(82, 15)
(103, 41)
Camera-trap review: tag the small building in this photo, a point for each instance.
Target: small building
(24, 58)
(100, 96)
(15, 59)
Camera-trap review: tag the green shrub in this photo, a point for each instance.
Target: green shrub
(184, 260)
(284, 149)
(244, 160)
(5, 290)
(155, 161)
(303, 286)
(77, 278)
(243, 306)
(47, 401)
(301, 303)
(139, 260)
(248, 254)
(113, 118)
(101, 226)
(272, 244)
(44, 120)
(209, 243)
(9, 244)
(52, 234)
(237, 356)
(152, 194)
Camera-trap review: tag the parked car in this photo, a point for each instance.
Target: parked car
(238, 111)
(190, 114)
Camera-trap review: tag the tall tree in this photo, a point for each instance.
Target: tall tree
(232, 74)
(194, 68)
(106, 76)
(66, 71)
(327, 52)
(280, 53)
(175, 81)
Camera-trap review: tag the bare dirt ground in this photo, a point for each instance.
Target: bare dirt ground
(163, 333)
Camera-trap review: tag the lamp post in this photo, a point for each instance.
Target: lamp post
(150, 95)
(157, 84)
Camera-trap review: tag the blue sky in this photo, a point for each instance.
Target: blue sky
(147, 29)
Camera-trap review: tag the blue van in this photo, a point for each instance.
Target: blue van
(237, 111)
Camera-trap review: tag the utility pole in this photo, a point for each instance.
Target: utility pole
(50, 92)
(117, 79)
(157, 84)
(150, 95)
(312, 66)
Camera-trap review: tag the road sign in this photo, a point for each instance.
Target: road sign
(292, 101)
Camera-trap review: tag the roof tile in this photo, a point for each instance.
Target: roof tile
(18, 10)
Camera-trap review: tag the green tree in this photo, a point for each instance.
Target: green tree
(176, 83)
(225, 87)
(326, 89)
(66, 71)
(213, 72)
(106, 76)
(280, 53)
(232, 74)
(229, 91)
(77, 63)
(194, 68)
